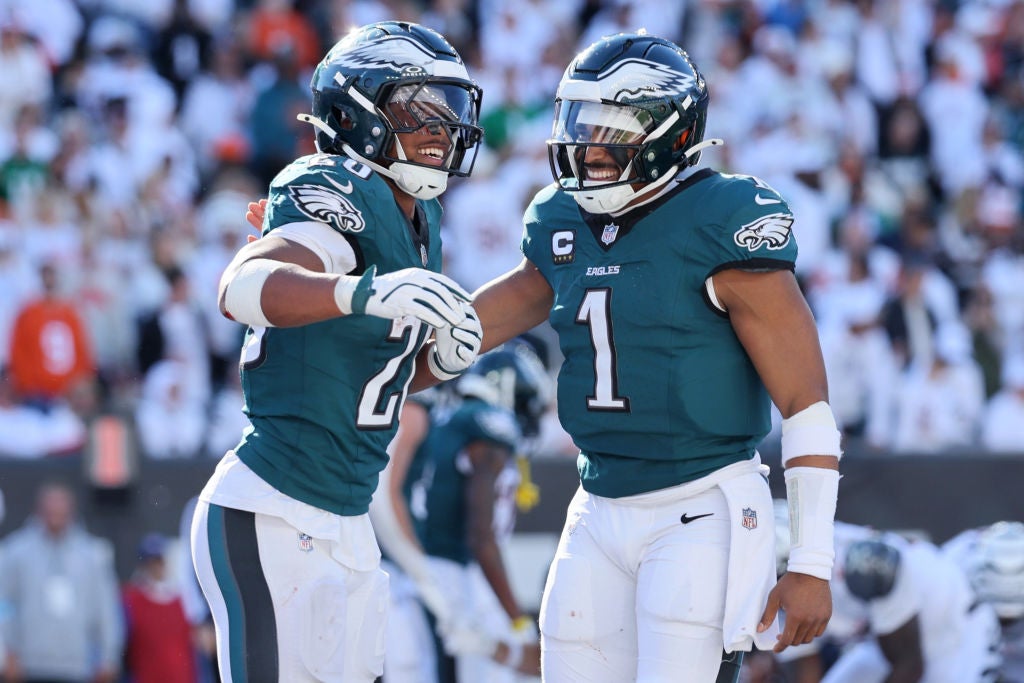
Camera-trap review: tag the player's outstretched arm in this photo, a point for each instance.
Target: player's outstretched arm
(273, 282)
(488, 460)
(506, 307)
(775, 326)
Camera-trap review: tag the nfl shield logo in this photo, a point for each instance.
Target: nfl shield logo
(611, 231)
(305, 542)
(423, 255)
(749, 520)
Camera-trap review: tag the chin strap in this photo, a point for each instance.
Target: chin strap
(713, 142)
(318, 124)
(418, 181)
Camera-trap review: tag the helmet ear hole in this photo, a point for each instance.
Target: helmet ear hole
(683, 138)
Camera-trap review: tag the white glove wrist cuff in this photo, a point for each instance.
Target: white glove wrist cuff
(242, 297)
(811, 493)
(812, 431)
(434, 365)
(343, 290)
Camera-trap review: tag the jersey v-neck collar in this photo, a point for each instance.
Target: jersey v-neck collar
(419, 232)
(608, 229)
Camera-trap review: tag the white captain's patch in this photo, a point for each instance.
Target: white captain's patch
(633, 79)
(772, 231)
(328, 206)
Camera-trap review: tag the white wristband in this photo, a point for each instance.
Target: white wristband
(812, 431)
(352, 291)
(242, 296)
(811, 493)
(343, 290)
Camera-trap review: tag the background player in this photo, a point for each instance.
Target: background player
(993, 557)
(463, 500)
(902, 611)
(339, 295)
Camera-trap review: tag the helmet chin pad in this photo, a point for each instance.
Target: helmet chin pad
(419, 181)
(604, 199)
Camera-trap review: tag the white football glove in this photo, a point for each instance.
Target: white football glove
(464, 639)
(434, 599)
(433, 298)
(456, 348)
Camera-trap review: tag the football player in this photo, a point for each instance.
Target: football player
(902, 611)
(679, 319)
(993, 557)
(462, 497)
(339, 294)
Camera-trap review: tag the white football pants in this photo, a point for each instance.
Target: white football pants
(285, 610)
(636, 594)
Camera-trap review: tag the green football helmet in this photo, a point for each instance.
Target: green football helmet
(396, 77)
(640, 98)
(513, 377)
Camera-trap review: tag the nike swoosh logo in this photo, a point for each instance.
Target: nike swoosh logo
(686, 520)
(344, 189)
(758, 199)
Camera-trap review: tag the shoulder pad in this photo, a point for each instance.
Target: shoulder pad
(322, 187)
(760, 216)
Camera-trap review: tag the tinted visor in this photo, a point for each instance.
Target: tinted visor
(601, 124)
(579, 127)
(451, 107)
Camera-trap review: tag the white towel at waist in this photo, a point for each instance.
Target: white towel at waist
(751, 559)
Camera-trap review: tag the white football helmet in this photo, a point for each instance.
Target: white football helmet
(997, 568)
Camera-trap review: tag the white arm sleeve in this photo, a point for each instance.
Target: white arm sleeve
(330, 245)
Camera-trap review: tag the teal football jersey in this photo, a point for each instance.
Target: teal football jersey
(655, 388)
(436, 485)
(324, 399)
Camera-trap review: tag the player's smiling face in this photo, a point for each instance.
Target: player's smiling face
(599, 165)
(602, 165)
(420, 132)
(425, 147)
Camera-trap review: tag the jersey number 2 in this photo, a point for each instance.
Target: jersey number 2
(595, 312)
(381, 388)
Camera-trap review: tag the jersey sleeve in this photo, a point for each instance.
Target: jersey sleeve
(323, 203)
(751, 228)
(541, 245)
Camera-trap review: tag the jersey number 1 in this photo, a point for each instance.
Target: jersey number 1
(595, 312)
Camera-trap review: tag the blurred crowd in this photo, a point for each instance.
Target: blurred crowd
(132, 134)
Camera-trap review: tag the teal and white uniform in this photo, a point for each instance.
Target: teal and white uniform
(667, 550)
(324, 399)
(436, 490)
(656, 389)
(282, 542)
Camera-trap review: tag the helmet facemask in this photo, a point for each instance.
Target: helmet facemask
(444, 115)
(392, 79)
(596, 151)
(642, 101)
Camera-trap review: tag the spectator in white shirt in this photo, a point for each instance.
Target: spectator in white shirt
(939, 405)
(1002, 428)
(169, 417)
